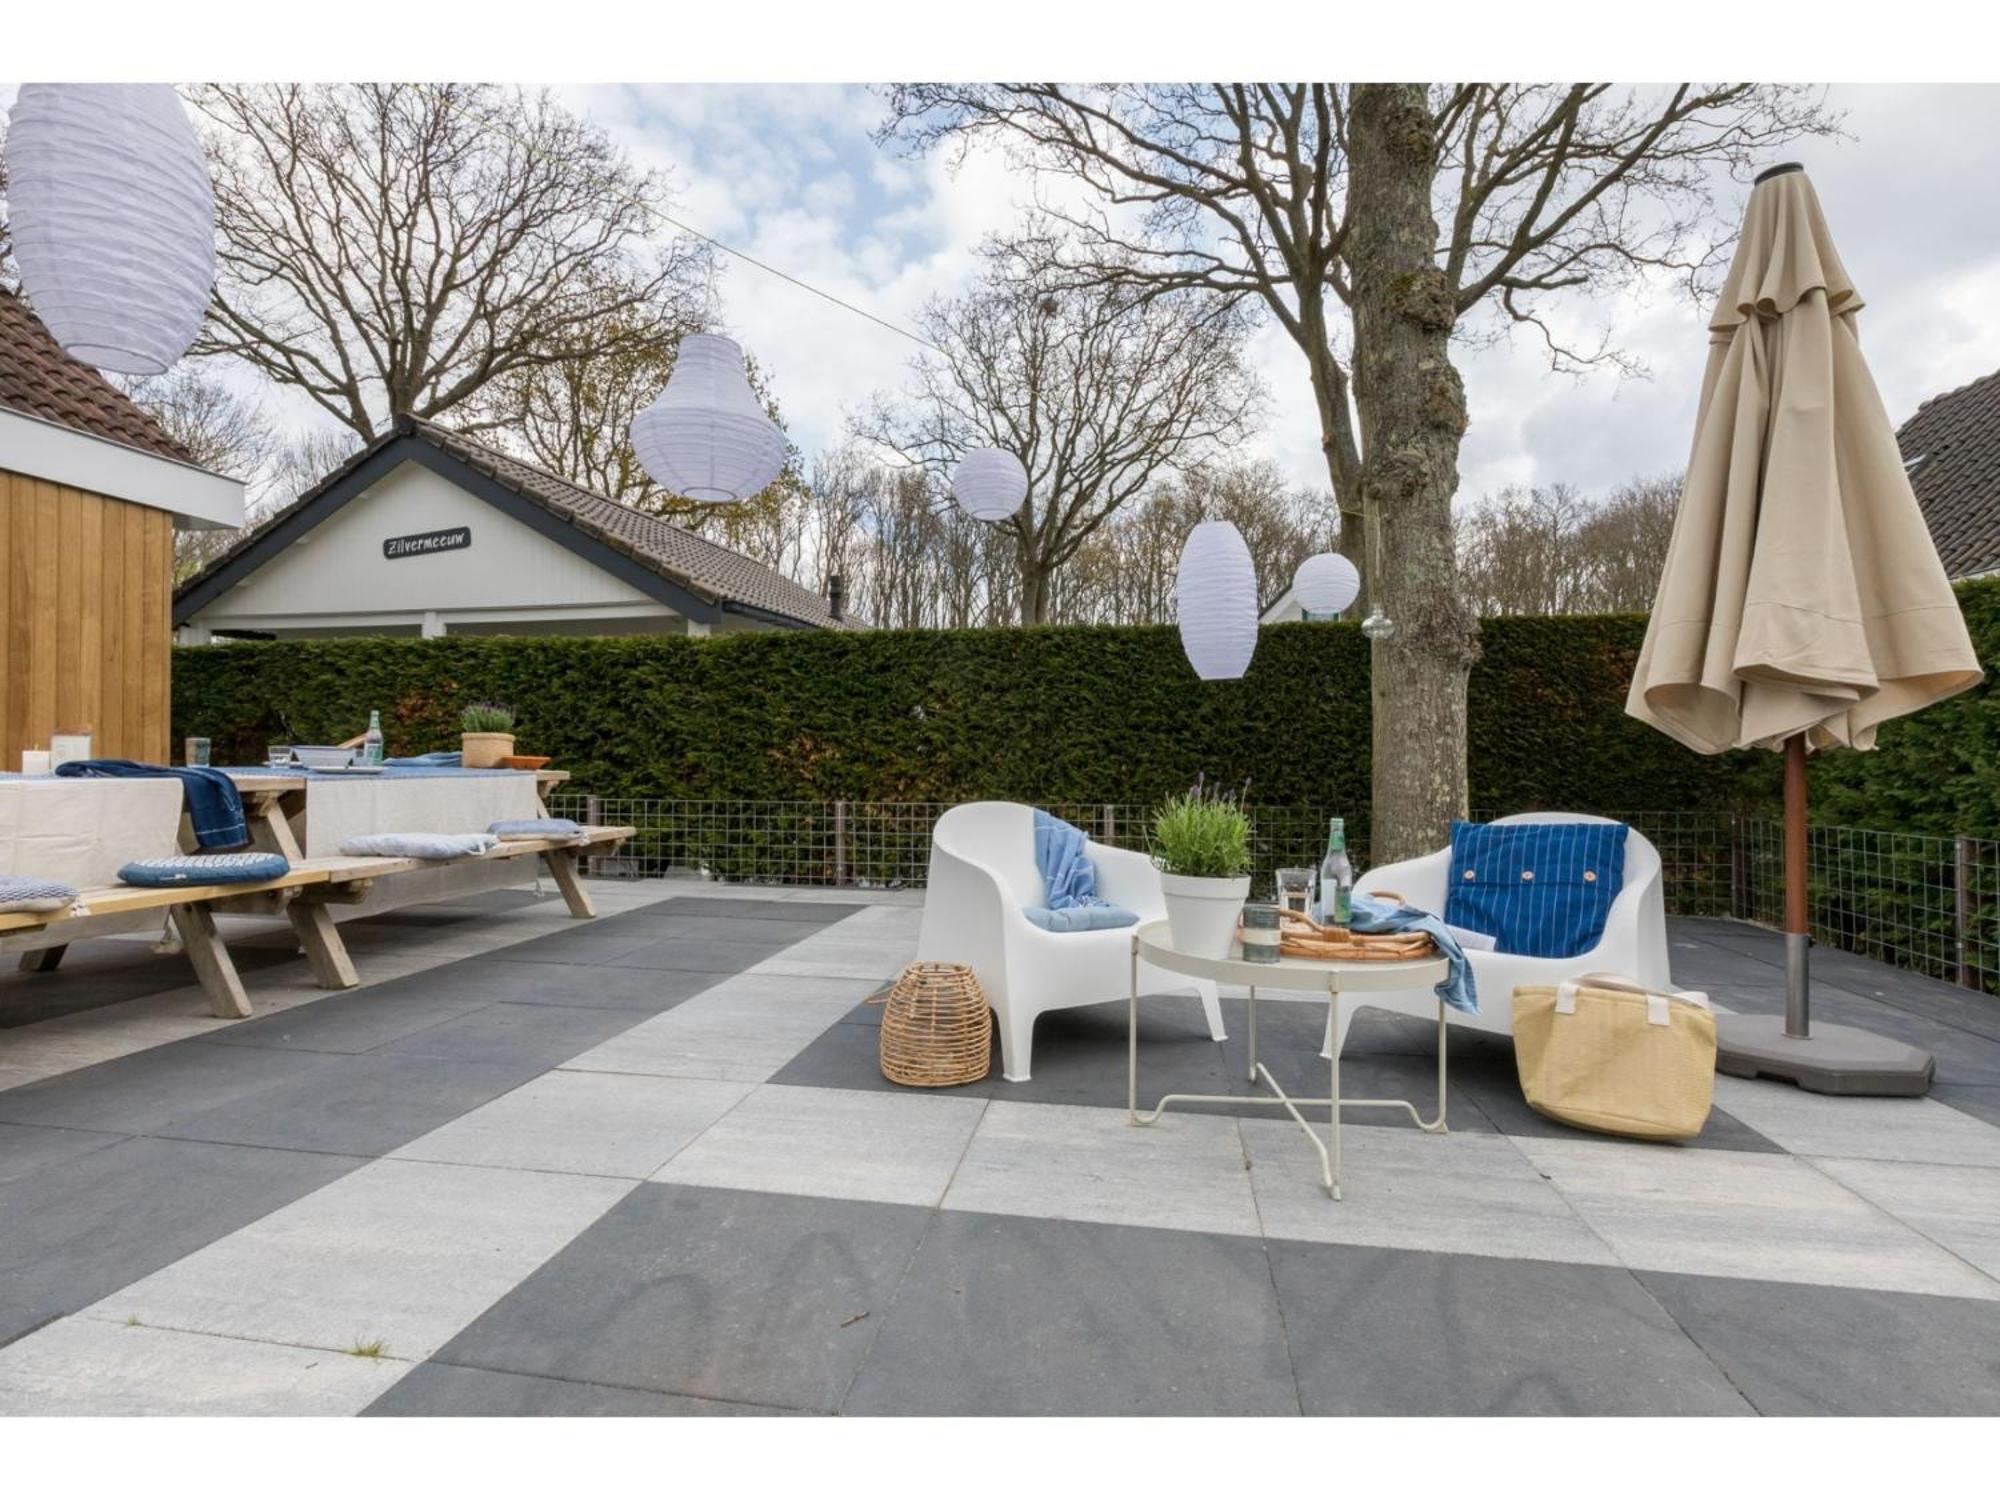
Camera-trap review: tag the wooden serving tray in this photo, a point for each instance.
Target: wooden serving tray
(1299, 936)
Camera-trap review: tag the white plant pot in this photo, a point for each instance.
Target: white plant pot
(1202, 912)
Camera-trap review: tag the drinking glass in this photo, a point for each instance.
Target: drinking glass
(277, 755)
(195, 751)
(1295, 886)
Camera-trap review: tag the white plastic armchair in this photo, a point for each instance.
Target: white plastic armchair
(1634, 940)
(982, 872)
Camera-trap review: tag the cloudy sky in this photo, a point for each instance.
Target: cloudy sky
(789, 174)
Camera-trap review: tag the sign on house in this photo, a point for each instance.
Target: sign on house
(424, 543)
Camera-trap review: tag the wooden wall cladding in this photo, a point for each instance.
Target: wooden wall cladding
(85, 604)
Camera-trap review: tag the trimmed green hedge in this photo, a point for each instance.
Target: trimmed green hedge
(1078, 714)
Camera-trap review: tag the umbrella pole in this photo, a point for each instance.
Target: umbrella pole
(1798, 930)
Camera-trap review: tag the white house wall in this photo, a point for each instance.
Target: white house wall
(337, 577)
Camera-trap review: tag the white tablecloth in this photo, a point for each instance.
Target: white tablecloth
(340, 807)
(83, 830)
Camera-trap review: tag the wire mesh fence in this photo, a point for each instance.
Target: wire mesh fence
(1919, 901)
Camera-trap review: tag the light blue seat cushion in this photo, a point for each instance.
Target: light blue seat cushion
(1080, 918)
(25, 893)
(535, 828)
(1542, 890)
(419, 845)
(205, 869)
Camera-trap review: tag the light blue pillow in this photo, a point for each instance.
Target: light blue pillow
(535, 828)
(205, 869)
(418, 845)
(1080, 918)
(25, 893)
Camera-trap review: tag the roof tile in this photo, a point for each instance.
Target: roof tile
(38, 378)
(1953, 445)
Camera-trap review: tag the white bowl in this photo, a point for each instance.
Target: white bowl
(323, 757)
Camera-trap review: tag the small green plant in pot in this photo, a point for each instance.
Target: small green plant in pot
(488, 734)
(1201, 844)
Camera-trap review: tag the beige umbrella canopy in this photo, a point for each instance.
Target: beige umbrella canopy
(1802, 603)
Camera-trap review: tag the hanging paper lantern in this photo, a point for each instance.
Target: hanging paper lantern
(1217, 591)
(706, 436)
(113, 220)
(1325, 584)
(990, 484)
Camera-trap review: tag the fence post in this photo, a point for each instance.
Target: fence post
(1967, 857)
(1110, 825)
(1739, 874)
(593, 814)
(840, 841)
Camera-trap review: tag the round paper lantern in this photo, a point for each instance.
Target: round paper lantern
(113, 220)
(1326, 583)
(990, 484)
(1217, 592)
(706, 436)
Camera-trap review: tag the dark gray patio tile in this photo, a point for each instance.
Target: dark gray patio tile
(1002, 1316)
(523, 1036)
(1800, 1350)
(1407, 1333)
(696, 925)
(72, 1236)
(105, 972)
(143, 1091)
(435, 1390)
(358, 1106)
(595, 987)
(1979, 1100)
(29, 1148)
(592, 942)
(355, 1020)
(823, 912)
(749, 1297)
(704, 955)
(1499, 1098)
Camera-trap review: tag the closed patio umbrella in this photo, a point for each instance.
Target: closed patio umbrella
(1802, 603)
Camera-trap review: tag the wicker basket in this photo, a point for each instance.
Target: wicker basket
(936, 1029)
(1301, 937)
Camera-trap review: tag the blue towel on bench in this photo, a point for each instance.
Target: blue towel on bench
(214, 806)
(1069, 880)
(1373, 914)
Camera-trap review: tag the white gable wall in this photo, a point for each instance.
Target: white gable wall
(337, 581)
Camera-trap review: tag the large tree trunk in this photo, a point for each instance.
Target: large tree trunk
(1034, 588)
(1411, 405)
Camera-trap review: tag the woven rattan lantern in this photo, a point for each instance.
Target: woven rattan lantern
(990, 484)
(706, 436)
(113, 220)
(936, 1029)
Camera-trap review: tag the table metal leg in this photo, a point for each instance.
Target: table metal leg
(1132, 1040)
(1253, 1034)
(1333, 1086)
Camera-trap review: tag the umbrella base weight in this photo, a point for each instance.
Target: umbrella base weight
(1833, 1060)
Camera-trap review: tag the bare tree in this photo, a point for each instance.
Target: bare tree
(1372, 221)
(1550, 551)
(222, 430)
(395, 248)
(1096, 392)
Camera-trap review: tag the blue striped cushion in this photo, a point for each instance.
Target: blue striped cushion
(205, 869)
(1542, 890)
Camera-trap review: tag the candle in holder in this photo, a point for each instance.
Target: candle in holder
(35, 763)
(1260, 932)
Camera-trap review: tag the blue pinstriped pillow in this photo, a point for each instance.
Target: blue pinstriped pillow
(1542, 890)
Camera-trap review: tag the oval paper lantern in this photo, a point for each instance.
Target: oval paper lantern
(1326, 583)
(990, 484)
(113, 220)
(706, 436)
(1217, 592)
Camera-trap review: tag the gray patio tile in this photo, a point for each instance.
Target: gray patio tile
(71, 1236)
(679, 924)
(357, 1106)
(606, 1124)
(1814, 1350)
(822, 912)
(738, 1039)
(355, 1020)
(1888, 1129)
(522, 1036)
(1002, 1316)
(1744, 1214)
(83, 1367)
(143, 1091)
(1959, 1207)
(1981, 1102)
(832, 987)
(697, 954)
(592, 942)
(402, 1252)
(1499, 1099)
(751, 1297)
(1399, 1333)
(1058, 1161)
(832, 1143)
(102, 972)
(29, 1148)
(1476, 1195)
(435, 1390)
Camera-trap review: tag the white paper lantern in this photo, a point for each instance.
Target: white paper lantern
(113, 220)
(1326, 583)
(706, 436)
(1217, 592)
(990, 484)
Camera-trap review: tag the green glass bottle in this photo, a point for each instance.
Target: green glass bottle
(1336, 878)
(371, 744)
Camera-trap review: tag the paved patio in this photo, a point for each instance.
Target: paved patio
(647, 1165)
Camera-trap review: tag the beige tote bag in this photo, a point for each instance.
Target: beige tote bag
(1607, 1053)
